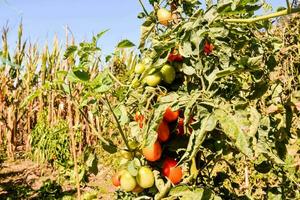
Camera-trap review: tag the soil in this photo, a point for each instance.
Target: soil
(25, 179)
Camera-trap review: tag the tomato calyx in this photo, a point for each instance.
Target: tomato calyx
(208, 48)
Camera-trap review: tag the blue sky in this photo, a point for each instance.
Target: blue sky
(42, 19)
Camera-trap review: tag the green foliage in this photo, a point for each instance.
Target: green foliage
(50, 144)
(244, 118)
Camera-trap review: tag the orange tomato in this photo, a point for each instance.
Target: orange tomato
(152, 153)
(163, 131)
(164, 16)
(170, 170)
(116, 179)
(171, 116)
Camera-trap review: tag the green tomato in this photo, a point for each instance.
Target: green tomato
(139, 68)
(168, 73)
(133, 144)
(126, 154)
(127, 182)
(153, 80)
(135, 83)
(145, 177)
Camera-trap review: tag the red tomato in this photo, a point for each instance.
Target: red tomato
(152, 153)
(170, 170)
(208, 48)
(175, 56)
(163, 131)
(171, 116)
(139, 118)
(180, 126)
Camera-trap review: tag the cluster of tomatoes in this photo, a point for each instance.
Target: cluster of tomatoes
(144, 179)
(169, 169)
(153, 153)
(167, 72)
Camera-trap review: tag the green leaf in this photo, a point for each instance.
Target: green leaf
(91, 163)
(132, 168)
(146, 30)
(125, 44)
(110, 147)
(99, 35)
(30, 98)
(188, 70)
(78, 76)
(232, 129)
(70, 51)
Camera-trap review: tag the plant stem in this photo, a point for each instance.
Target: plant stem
(264, 17)
(144, 7)
(118, 124)
(115, 79)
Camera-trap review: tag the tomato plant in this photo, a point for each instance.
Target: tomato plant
(209, 98)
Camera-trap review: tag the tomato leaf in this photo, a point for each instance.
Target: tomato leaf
(125, 44)
(232, 129)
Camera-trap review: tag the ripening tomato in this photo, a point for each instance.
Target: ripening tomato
(152, 153)
(139, 68)
(139, 118)
(164, 16)
(153, 80)
(171, 116)
(163, 131)
(116, 179)
(170, 170)
(175, 56)
(180, 126)
(208, 48)
(127, 181)
(145, 177)
(168, 73)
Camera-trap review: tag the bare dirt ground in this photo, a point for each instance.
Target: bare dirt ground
(24, 179)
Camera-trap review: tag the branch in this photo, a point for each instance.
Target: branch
(144, 7)
(264, 17)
